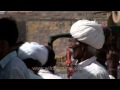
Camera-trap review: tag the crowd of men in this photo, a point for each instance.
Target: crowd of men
(31, 60)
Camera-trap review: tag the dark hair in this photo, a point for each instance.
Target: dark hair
(8, 30)
(17, 45)
(32, 64)
(51, 57)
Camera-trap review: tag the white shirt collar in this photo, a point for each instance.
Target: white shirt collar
(87, 62)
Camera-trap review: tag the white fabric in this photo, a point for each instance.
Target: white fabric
(90, 69)
(45, 74)
(33, 50)
(111, 77)
(89, 32)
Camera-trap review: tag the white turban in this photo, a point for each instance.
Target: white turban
(33, 50)
(89, 32)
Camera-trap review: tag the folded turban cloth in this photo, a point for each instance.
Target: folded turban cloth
(89, 32)
(33, 50)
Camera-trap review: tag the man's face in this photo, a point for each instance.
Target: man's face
(76, 47)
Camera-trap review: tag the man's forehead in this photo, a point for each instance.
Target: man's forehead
(72, 39)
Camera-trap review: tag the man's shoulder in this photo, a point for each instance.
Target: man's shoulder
(93, 68)
(96, 67)
(17, 63)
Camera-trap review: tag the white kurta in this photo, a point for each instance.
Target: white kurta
(45, 74)
(90, 69)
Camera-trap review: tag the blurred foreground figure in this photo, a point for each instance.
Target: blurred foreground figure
(39, 59)
(11, 67)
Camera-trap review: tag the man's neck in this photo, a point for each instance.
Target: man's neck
(86, 56)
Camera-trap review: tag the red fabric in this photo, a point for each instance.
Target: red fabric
(69, 63)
